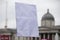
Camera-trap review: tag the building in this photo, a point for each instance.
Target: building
(47, 30)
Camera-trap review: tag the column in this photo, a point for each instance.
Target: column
(35, 38)
(24, 38)
(48, 36)
(13, 36)
(18, 38)
(43, 36)
(28, 38)
(39, 37)
(53, 37)
(56, 36)
(9, 37)
(21, 38)
(31, 38)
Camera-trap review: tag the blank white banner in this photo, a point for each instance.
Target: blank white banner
(26, 20)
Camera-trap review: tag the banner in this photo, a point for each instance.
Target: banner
(26, 20)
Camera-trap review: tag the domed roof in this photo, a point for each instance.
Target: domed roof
(48, 16)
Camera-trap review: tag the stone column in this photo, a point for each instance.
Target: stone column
(53, 37)
(21, 38)
(18, 38)
(48, 36)
(24, 38)
(28, 38)
(35, 38)
(44, 36)
(40, 37)
(10, 37)
(56, 36)
(13, 36)
(31, 38)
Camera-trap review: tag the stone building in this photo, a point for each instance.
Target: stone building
(47, 30)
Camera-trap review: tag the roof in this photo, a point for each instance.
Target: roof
(48, 16)
(7, 30)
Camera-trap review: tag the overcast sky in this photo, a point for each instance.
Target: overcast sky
(42, 6)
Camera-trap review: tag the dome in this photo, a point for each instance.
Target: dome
(48, 16)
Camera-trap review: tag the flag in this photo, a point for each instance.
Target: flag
(26, 20)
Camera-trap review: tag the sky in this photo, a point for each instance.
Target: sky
(41, 5)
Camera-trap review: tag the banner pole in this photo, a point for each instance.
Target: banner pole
(6, 19)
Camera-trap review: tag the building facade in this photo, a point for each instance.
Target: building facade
(47, 30)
